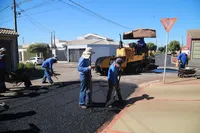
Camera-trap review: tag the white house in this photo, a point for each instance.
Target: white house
(102, 46)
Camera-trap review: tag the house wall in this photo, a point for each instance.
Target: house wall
(102, 50)
(99, 49)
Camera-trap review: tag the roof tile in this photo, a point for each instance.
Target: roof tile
(5, 31)
(195, 34)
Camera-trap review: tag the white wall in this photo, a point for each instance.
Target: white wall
(99, 49)
(76, 46)
(102, 50)
(113, 49)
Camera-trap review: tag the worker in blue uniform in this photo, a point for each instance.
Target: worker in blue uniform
(48, 69)
(113, 73)
(84, 67)
(2, 73)
(182, 60)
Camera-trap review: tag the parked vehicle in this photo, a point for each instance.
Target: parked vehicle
(35, 60)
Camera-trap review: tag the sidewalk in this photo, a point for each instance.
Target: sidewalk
(173, 108)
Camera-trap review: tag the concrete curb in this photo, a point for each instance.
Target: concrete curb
(143, 85)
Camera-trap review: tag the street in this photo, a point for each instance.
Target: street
(55, 108)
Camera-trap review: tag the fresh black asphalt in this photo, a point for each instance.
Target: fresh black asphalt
(54, 109)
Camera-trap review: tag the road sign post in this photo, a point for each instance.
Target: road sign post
(167, 24)
(165, 62)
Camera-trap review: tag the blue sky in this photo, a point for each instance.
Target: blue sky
(69, 23)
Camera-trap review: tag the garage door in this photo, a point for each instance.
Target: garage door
(61, 55)
(196, 50)
(75, 54)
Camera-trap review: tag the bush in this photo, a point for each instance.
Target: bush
(29, 65)
(21, 65)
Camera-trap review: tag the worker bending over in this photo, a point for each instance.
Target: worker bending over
(113, 73)
(48, 69)
(182, 60)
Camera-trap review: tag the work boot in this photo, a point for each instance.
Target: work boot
(52, 83)
(83, 106)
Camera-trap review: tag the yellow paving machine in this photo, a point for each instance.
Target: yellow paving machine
(134, 62)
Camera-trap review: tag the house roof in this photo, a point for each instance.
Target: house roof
(194, 34)
(5, 31)
(92, 41)
(96, 36)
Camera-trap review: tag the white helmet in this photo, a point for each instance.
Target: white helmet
(3, 49)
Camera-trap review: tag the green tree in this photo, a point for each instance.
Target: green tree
(174, 46)
(38, 48)
(151, 46)
(161, 49)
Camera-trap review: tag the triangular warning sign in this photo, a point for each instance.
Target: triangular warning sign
(168, 23)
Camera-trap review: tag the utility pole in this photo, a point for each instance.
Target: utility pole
(51, 41)
(54, 40)
(15, 24)
(15, 15)
(182, 41)
(23, 40)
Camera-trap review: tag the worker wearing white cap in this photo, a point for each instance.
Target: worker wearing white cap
(2, 50)
(85, 69)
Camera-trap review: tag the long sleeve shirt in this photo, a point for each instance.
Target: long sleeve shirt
(183, 58)
(112, 74)
(48, 64)
(2, 64)
(83, 67)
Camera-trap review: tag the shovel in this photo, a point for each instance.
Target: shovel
(60, 82)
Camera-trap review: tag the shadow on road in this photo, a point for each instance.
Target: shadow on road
(33, 129)
(6, 117)
(119, 105)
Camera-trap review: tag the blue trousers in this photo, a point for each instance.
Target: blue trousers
(47, 75)
(2, 80)
(181, 66)
(84, 95)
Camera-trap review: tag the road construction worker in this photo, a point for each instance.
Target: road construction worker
(182, 60)
(48, 69)
(2, 73)
(84, 67)
(113, 73)
(2, 51)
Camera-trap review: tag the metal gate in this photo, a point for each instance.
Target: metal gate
(196, 50)
(75, 54)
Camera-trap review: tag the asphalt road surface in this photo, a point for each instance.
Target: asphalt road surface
(54, 109)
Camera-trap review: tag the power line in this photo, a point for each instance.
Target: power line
(38, 5)
(74, 7)
(4, 8)
(31, 14)
(98, 15)
(35, 22)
